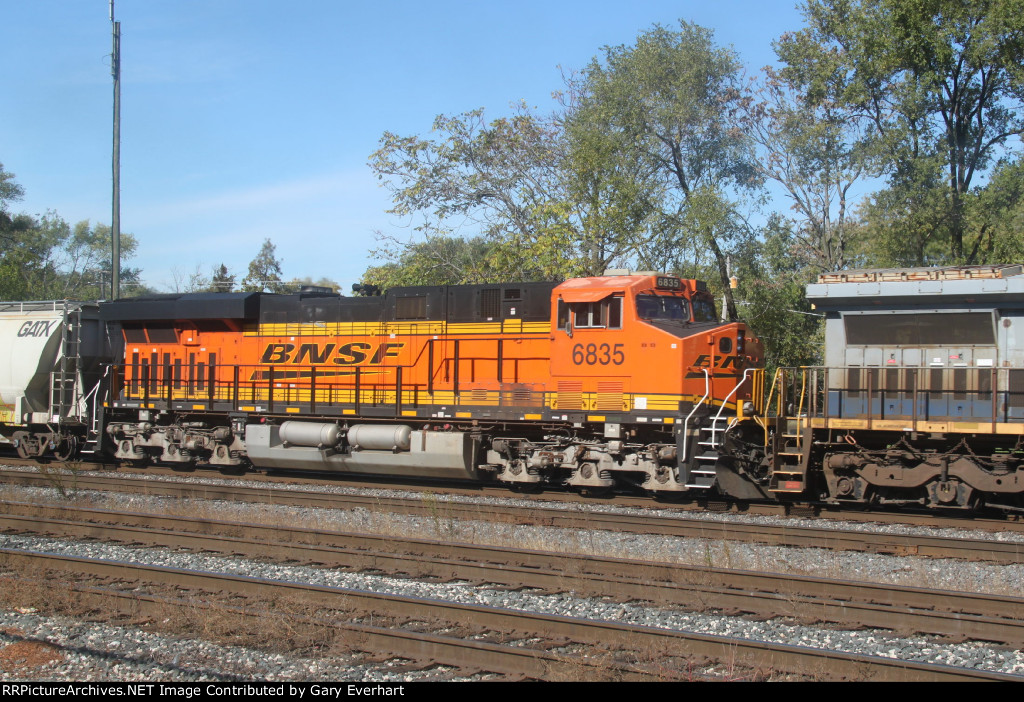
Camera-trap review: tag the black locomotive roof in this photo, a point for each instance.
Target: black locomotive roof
(182, 306)
(454, 303)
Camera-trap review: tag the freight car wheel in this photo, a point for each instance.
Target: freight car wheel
(66, 448)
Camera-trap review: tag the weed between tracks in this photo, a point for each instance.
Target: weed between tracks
(63, 477)
(286, 627)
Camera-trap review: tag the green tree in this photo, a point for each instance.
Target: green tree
(10, 192)
(50, 259)
(436, 261)
(818, 152)
(264, 271)
(502, 180)
(996, 216)
(772, 284)
(671, 100)
(221, 280)
(940, 82)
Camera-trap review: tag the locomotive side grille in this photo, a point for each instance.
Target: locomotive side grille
(935, 383)
(853, 383)
(984, 384)
(960, 384)
(476, 396)
(490, 303)
(1015, 385)
(513, 395)
(609, 397)
(570, 395)
(411, 307)
(892, 379)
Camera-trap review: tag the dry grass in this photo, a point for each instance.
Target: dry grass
(24, 658)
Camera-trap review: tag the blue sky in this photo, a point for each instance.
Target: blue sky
(249, 119)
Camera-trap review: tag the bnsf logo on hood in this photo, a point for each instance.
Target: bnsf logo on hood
(40, 328)
(351, 354)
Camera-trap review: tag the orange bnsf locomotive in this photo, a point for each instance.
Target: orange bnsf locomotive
(624, 379)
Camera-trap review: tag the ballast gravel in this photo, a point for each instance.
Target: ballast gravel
(91, 652)
(868, 642)
(105, 654)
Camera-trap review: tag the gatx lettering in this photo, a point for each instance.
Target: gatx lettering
(353, 353)
(39, 328)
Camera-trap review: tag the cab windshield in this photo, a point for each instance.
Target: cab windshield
(662, 307)
(704, 310)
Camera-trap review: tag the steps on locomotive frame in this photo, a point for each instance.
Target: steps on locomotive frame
(704, 474)
(792, 453)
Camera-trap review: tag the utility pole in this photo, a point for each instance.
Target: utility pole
(115, 226)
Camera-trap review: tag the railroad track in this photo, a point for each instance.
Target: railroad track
(621, 639)
(575, 516)
(971, 616)
(1005, 523)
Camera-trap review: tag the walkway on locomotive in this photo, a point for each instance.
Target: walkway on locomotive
(639, 347)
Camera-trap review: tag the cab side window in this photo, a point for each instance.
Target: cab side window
(604, 314)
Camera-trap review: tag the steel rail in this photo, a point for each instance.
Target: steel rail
(747, 652)
(576, 518)
(975, 616)
(700, 505)
(424, 647)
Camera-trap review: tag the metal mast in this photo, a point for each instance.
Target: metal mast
(115, 226)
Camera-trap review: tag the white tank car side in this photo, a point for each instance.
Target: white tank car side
(30, 341)
(52, 361)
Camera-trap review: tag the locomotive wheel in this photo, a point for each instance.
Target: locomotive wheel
(135, 462)
(232, 470)
(527, 488)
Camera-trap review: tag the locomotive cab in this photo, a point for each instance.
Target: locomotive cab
(647, 351)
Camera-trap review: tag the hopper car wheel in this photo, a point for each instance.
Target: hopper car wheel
(527, 488)
(66, 449)
(603, 491)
